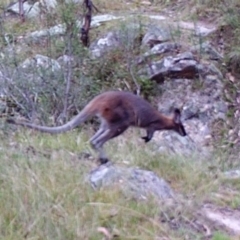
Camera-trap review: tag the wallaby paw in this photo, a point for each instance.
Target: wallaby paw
(146, 139)
(10, 120)
(103, 160)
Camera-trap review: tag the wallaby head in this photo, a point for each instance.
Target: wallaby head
(178, 126)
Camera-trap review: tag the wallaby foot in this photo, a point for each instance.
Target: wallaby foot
(11, 120)
(103, 160)
(146, 139)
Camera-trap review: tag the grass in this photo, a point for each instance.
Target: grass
(44, 191)
(45, 194)
(48, 197)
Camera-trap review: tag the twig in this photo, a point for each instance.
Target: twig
(135, 80)
(21, 12)
(87, 22)
(85, 28)
(89, 4)
(68, 78)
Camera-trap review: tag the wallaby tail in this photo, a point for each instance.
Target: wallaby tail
(77, 120)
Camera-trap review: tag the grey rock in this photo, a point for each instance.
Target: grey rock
(208, 69)
(223, 217)
(39, 68)
(64, 60)
(74, 1)
(133, 182)
(184, 56)
(212, 86)
(29, 10)
(181, 66)
(206, 48)
(163, 48)
(194, 145)
(156, 35)
(97, 20)
(173, 144)
(232, 174)
(127, 38)
(34, 9)
(198, 28)
(191, 110)
(59, 30)
(155, 17)
(104, 44)
(159, 49)
(41, 62)
(201, 105)
(36, 36)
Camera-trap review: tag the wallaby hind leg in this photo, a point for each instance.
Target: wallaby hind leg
(103, 127)
(99, 147)
(101, 139)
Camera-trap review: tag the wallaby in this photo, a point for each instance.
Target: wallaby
(117, 111)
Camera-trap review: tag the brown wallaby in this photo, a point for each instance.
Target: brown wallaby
(117, 111)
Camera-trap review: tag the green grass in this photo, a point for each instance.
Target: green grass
(44, 192)
(49, 198)
(220, 236)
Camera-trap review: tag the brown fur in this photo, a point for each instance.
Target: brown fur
(117, 111)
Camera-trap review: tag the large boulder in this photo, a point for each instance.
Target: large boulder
(134, 182)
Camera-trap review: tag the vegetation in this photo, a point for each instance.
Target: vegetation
(45, 194)
(44, 191)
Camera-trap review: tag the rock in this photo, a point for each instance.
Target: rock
(224, 217)
(133, 182)
(201, 105)
(163, 48)
(30, 10)
(43, 63)
(127, 37)
(195, 144)
(97, 20)
(34, 9)
(106, 43)
(64, 60)
(60, 29)
(156, 35)
(37, 36)
(182, 66)
(74, 1)
(155, 17)
(199, 28)
(146, 3)
(159, 49)
(38, 68)
(232, 174)
(206, 48)
(208, 69)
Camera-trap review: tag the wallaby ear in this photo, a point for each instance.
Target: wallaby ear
(177, 116)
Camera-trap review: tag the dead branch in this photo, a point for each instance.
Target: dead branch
(68, 79)
(85, 29)
(21, 12)
(89, 4)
